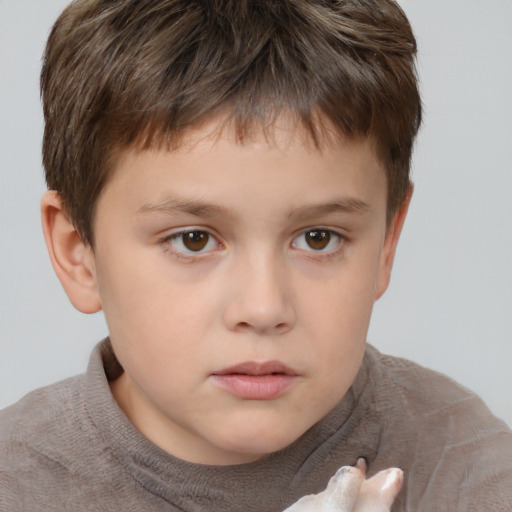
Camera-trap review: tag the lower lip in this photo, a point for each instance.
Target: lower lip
(255, 387)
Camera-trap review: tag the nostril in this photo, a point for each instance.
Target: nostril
(248, 326)
(282, 327)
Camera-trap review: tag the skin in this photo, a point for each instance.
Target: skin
(349, 491)
(257, 291)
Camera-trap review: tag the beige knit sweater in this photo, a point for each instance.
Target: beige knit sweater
(69, 447)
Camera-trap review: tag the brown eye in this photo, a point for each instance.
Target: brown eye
(321, 240)
(195, 240)
(318, 239)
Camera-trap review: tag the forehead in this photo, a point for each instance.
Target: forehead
(279, 128)
(271, 179)
(212, 159)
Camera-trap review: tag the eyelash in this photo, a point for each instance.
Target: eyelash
(190, 255)
(334, 237)
(167, 243)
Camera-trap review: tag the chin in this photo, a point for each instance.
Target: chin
(256, 443)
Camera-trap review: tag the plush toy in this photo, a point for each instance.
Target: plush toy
(349, 491)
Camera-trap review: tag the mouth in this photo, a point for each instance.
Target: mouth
(256, 381)
(258, 369)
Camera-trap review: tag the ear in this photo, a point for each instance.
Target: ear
(72, 259)
(391, 241)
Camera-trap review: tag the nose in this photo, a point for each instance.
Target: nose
(260, 300)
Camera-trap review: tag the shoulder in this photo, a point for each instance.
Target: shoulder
(41, 423)
(408, 394)
(39, 410)
(52, 456)
(401, 382)
(40, 437)
(457, 454)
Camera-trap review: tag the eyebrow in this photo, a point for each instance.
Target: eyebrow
(173, 206)
(343, 205)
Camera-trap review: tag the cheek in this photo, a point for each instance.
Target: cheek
(337, 315)
(341, 307)
(149, 311)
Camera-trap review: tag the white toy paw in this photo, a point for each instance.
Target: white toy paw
(349, 491)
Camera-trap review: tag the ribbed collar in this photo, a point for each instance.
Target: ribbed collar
(269, 484)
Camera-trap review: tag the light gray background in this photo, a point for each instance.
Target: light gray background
(449, 306)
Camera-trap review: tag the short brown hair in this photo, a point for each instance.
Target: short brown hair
(119, 73)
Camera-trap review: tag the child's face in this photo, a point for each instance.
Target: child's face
(220, 254)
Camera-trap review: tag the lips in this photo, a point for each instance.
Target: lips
(258, 369)
(256, 381)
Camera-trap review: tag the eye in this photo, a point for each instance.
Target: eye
(192, 242)
(318, 240)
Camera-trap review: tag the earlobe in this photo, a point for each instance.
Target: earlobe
(72, 259)
(390, 244)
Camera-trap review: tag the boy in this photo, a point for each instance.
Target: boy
(228, 183)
